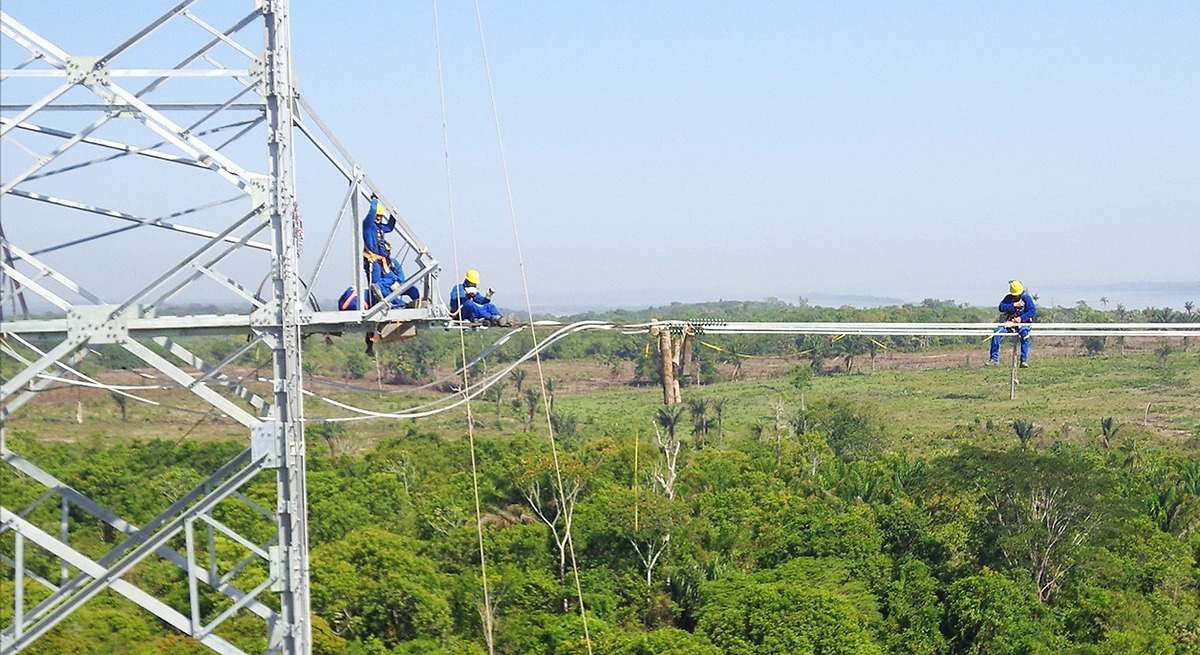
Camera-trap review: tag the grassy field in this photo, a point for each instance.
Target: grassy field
(918, 410)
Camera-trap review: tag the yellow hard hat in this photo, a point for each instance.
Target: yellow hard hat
(472, 276)
(1015, 287)
(380, 210)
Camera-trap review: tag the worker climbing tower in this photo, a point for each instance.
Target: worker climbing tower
(84, 132)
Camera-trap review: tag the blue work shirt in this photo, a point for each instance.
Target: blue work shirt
(373, 231)
(1026, 313)
(458, 295)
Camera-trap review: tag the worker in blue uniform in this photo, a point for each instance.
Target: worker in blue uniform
(1019, 311)
(468, 304)
(383, 273)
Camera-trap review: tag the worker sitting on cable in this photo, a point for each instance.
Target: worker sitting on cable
(384, 274)
(1019, 312)
(468, 304)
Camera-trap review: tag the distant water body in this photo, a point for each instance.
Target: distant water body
(1132, 295)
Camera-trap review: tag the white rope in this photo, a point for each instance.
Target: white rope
(447, 403)
(489, 634)
(512, 213)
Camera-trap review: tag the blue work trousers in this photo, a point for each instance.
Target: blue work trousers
(1025, 341)
(473, 311)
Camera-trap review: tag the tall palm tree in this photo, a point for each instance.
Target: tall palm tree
(698, 408)
(533, 399)
(667, 418)
(550, 392)
(718, 407)
(518, 376)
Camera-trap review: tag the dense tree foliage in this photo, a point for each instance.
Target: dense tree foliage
(780, 541)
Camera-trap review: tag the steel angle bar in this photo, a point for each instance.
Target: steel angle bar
(384, 305)
(146, 31)
(250, 597)
(153, 120)
(262, 511)
(31, 507)
(42, 162)
(101, 579)
(146, 532)
(218, 109)
(329, 241)
(9, 408)
(31, 371)
(49, 271)
(31, 41)
(222, 236)
(230, 284)
(32, 109)
(125, 149)
(109, 517)
(194, 274)
(178, 136)
(122, 106)
(249, 559)
(189, 358)
(209, 372)
(402, 225)
(113, 213)
(294, 632)
(68, 370)
(30, 574)
(229, 532)
(22, 65)
(223, 37)
(243, 78)
(104, 578)
(191, 384)
(29, 151)
(18, 296)
(133, 72)
(199, 208)
(242, 132)
(28, 283)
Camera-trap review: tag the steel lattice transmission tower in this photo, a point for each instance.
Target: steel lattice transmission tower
(268, 116)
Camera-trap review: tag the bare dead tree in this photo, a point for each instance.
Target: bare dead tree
(667, 470)
(1050, 524)
(557, 515)
(650, 552)
(650, 545)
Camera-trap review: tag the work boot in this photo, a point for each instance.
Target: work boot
(1024, 364)
(992, 362)
(502, 321)
(370, 346)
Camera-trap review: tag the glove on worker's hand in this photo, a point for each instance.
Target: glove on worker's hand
(491, 292)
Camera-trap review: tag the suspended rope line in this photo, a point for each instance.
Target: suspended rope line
(87, 381)
(476, 388)
(512, 213)
(713, 346)
(448, 402)
(428, 385)
(489, 635)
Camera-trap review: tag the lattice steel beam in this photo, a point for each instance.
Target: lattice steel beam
(279, 317)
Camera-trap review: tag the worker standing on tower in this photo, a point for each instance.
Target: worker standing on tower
(468, 304)
(1019, 311)
(383, 273)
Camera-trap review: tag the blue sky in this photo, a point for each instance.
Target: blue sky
(702, 150)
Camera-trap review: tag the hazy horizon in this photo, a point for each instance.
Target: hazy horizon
(677, 150)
